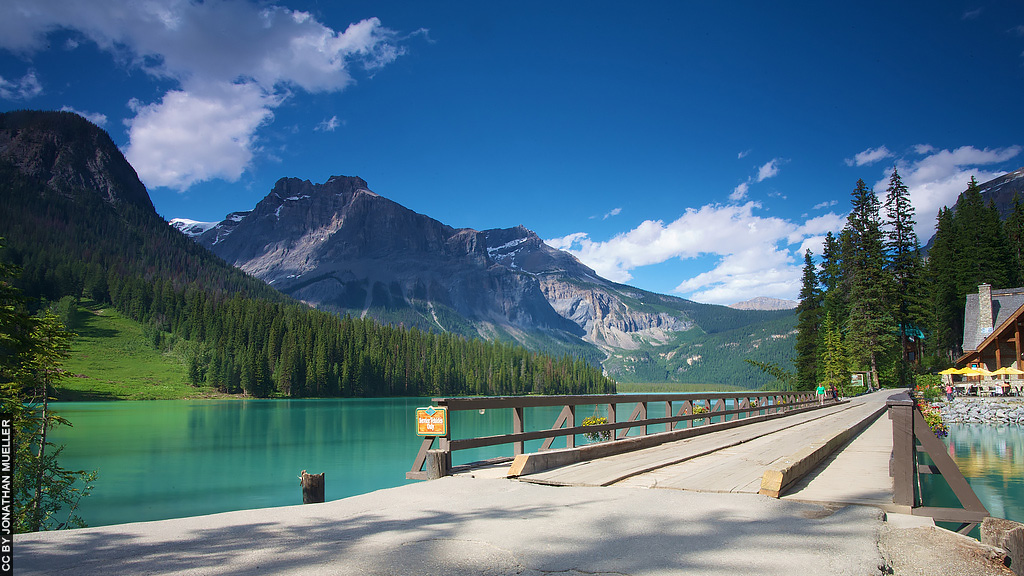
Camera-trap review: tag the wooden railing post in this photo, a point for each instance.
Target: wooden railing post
(570, 439)
(903, 462)
(517, 428)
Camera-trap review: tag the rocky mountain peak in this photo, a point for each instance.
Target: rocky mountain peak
(73, 156)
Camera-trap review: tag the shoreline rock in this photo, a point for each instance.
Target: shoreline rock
(995, 411)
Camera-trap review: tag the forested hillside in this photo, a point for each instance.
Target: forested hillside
(91, 234)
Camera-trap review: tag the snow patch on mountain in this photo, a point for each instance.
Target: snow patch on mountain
(191, 228)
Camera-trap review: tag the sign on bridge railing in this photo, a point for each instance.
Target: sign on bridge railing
(432, 421)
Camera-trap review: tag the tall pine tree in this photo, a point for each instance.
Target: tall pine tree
(870, 326)
(903, 263)
(808, 323)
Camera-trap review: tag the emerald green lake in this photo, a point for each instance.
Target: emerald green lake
(171, 459)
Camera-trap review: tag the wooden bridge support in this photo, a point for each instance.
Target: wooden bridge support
(912, 436)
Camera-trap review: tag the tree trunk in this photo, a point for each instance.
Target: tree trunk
(36, 520)
(312, 487)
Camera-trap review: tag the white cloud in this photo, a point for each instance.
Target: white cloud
(939, 176)
(743, 154)
(755, 253)
(328, 125)
(25, 88)
(764, 172)
(826, 204)
(94, 117)
(869, 156)
(768, 170)
(190, 137)
(762, 271)
(265, 51)
(740, 192)
(614, 212)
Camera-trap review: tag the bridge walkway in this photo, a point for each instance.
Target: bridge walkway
(735, 460)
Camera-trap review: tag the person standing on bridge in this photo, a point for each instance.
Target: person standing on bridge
(821, 394)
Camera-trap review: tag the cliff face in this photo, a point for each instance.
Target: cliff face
(340, 246)
(71, 156)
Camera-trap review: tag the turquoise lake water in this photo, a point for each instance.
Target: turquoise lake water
(170, 459)
(992, 460)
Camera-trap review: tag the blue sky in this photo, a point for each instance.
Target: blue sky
(688, 148)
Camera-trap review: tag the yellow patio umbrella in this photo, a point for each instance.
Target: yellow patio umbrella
(949, 371)
(975, 372)
(1008, 371)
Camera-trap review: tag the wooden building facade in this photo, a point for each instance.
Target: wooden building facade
(992, 329)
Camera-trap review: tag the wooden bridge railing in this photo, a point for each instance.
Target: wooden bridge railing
(744, 404)
(912, 436)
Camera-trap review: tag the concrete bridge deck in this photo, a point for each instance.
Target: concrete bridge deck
(735, 460)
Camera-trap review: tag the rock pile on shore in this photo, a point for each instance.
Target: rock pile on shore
(998, 411)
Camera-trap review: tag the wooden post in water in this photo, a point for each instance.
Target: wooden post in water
(312, 487)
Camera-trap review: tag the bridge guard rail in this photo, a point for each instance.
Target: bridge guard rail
(912, 436)
(438, 462)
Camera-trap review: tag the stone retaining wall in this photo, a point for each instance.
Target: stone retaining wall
(998, 411)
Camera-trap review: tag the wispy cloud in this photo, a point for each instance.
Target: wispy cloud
(743, 154)
(94, 117)
(613, 212)
(213, 52)
(935, 178)
(740, 192)
(869, 156)
(756, 254)
(25, 88)
(971, 14)
(827, 204)
(768, 170)
(328, 125)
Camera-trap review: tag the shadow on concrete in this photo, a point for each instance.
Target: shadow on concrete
(613, 531)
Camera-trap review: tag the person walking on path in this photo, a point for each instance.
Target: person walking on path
(949, 392)
(821, 394)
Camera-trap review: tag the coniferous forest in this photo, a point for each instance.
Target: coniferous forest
(874, 304)
(243, 336)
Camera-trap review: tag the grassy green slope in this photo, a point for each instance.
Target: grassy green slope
(112, 358)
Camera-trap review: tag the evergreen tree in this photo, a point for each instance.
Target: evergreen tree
(808, 323)
(870, 327)
(986, 256)
(831, 277)
(945, 313)
(1015, 235)
(904, 264)
(31, 352)
(834, 368)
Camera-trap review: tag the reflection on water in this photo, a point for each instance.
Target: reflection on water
(992, 460)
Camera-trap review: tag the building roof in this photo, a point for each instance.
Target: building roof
(1005, 303)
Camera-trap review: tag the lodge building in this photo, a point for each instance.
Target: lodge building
(992, 329)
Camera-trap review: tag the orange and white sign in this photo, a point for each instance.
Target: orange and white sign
(432, 421)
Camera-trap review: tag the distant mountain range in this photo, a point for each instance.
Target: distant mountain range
(1002, 190)
(341, 247)
(765, 303)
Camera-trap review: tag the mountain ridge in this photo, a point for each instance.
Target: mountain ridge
(341, 247)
